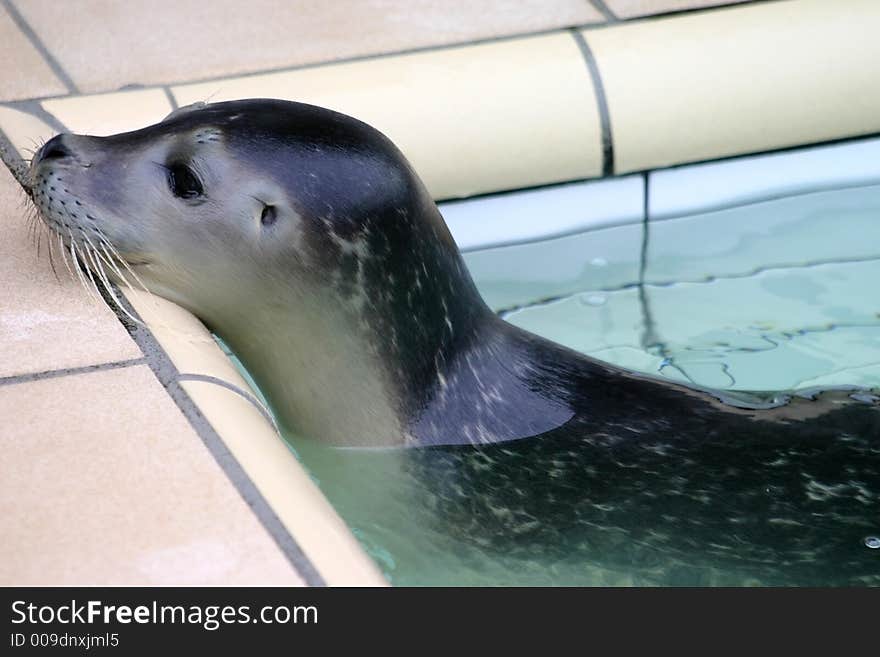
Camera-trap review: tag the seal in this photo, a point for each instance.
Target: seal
(305, 240)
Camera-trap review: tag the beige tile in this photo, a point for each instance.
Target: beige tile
(106, 44)
(738, 80)
(634, 8)
(108, 114)
(25, 72)
(482, 118)
(319, 531)
(105, 482)
(47, 323)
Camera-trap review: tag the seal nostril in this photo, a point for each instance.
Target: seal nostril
(269, 215)
(56, 153)
(55, 149)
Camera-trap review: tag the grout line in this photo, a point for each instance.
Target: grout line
(669, 13)
(35, 109)
(603, 9)
(70, 371)
(649, 336)
(601, 101)
(646, 220)
(50, 60)
(204, 378)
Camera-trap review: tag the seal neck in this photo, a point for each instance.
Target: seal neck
(457, 373)
(416, 358)
(498, 387)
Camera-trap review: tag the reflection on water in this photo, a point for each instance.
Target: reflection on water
(771, 296)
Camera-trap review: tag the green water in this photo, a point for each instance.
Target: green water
(773, 295)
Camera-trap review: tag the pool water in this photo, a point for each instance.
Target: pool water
(772, 295)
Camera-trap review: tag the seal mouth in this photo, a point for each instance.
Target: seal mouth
(137, 261)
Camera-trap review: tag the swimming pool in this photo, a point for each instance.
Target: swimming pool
(774, 289)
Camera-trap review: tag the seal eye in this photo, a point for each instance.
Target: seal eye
(269, 215)
(183, 182)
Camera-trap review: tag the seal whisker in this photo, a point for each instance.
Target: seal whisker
(31, 233)
(108, 258)
(96, 257)
(64, 253)
(95, 266)
(35, 233)
(107, 244)
(109, 287)
(31, 211)
(26, 205)
(37, 144)
(31, 224)
(51, 254)
(88, 253)
(35, 236)
(74, 256)
(38, 237)
(53, 229)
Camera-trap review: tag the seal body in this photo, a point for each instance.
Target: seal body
(650, 480)
(306, 241)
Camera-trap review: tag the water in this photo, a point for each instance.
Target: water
(773, 295)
